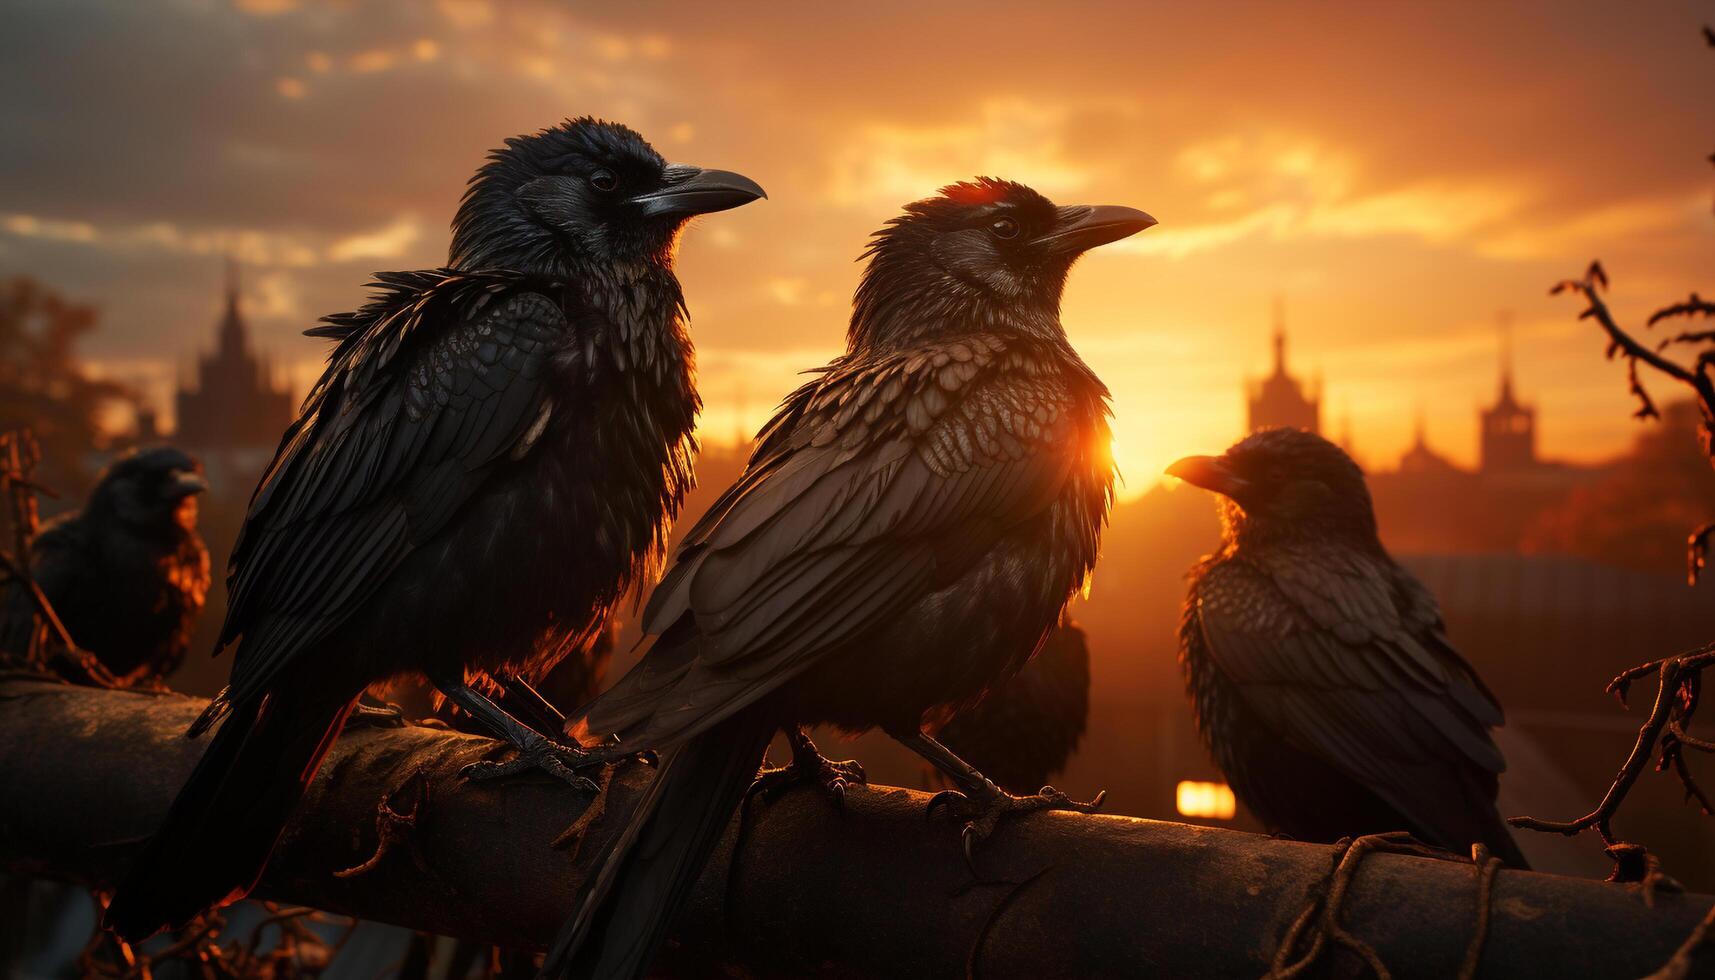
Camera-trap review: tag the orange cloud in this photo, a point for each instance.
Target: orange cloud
(885, 164)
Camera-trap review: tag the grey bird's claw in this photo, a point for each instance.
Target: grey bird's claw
(558, 761)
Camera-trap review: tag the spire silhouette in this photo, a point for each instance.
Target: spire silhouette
(231, 398)
(1280, 399)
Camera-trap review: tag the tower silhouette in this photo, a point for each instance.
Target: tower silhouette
(1280, 399)
(234, 402)
(1508, 426)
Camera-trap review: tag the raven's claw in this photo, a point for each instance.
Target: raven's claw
(808, 766)
(830, 777)
(983, 811)
(539, 754)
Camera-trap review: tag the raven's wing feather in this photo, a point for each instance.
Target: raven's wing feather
(886, 479)
(1344, 657)
(428, 390)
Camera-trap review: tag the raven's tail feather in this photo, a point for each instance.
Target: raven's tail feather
(216, 839)
(645, 876)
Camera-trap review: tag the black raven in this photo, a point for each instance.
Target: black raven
(905, 534)
(127, 574)
(1025, 730)
(1319, 669)
(490, 460)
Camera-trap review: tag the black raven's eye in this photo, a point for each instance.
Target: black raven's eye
(1004, 228)
(604, 180)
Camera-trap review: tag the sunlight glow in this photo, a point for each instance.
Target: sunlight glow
(1209, 801)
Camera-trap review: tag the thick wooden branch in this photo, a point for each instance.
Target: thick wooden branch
(876, 891)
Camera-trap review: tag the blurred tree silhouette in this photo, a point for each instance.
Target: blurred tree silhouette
(1679, 679)
(1637, 516)
(45, 388)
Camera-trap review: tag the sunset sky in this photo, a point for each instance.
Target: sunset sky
(1399, 175)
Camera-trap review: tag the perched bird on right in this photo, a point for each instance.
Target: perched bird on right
(1319, 669)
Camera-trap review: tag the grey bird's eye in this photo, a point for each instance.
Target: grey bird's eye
(1004, 228)
(604, 180)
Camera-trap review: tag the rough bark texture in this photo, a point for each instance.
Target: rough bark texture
(877, 891)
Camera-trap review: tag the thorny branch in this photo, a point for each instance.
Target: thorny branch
(50, 642)
(1663, 735)
(1622, 344)
(1679, 681)
(1675, 702)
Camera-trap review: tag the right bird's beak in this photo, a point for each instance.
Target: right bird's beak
(1211, 473)
(693, 190)
(1082, 227)
(188, 483)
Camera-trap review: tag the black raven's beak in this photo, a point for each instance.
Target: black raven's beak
(692, 190)
(187, 483)
(1210, 473)
(1082, 227)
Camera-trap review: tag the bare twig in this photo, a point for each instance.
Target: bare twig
(395, 828)
(1623, 344)
(19, 456)
(1679, 682)
(1663, 736)
(1694, 307)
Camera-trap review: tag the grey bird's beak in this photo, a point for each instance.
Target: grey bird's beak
(1211, 473)
(693, 190)
(1082, 227)
(188, 483)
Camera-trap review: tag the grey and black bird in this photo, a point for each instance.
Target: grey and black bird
(1320, 671)
(906, 533)
(127, 574)
(490, 460)
(1024, 731)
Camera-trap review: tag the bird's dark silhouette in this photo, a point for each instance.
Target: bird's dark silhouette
(908, 529)
(1024, 731)
(1320, 671)
(128, 573)
(490, 460)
